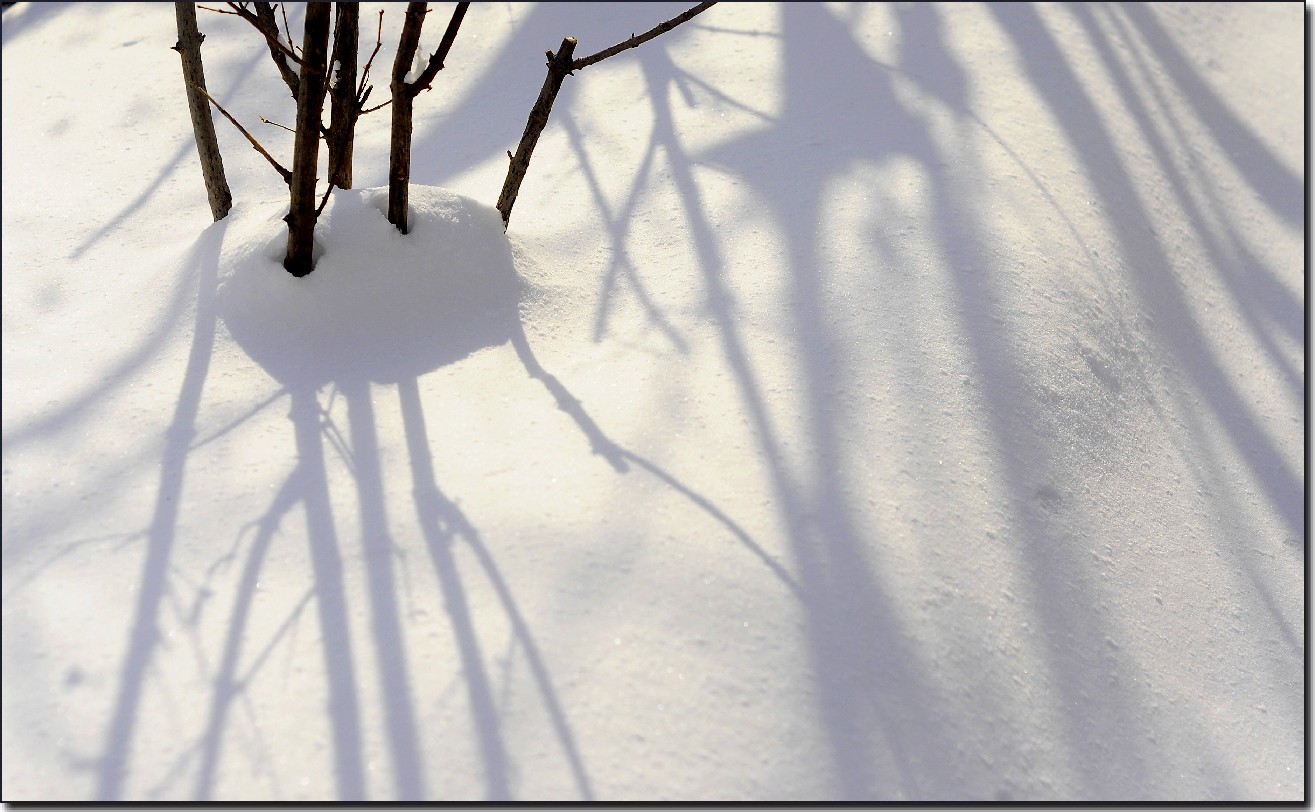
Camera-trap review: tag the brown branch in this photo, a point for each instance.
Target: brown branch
(287, 29)
(263, 21)
(363, 92)
(299, 259)
(276, 124)
(378, 107)
(634, 41)
(559, 65)
(285, 174)
(399, 148)
(436, 59)
(407, 44)
(203, 125)
(325, 201)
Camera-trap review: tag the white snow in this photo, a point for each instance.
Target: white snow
(867, 402)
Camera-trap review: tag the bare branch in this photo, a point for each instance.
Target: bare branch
(436, 59)
(379, 107)
(263, 21)
(203, 125)
(341, 133)
(407, 45)
(559, 65)
(276, 124)
(634, 41)
(285, 174)
(399, 150)
(287, 29)
(363, 92)
(325, 201)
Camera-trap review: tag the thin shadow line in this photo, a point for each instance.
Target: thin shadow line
(160, 538)
(226, 687)
(437, 522)
(326, 561)
(619, 226)
(388, 640)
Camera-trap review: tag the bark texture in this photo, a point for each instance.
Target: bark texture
(559, 65)
(636, 41)
(404, 93)
(341, 137)
(203, 125)
(306, 149)
(265, 23)
(399, 152)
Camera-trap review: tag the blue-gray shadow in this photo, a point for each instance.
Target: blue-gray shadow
(439, 323)
(144, 636)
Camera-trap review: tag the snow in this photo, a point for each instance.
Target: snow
(867, 402)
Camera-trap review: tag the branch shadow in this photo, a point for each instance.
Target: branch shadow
(489, 119)
(144, 637)
(442, 322)
(879, 710)
(843, 600)
(67, 417)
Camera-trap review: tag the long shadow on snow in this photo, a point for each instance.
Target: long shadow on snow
(1261, 297)
(1097, 710)
(841, 594)
(144, 636)
(440, 330)
(1250, 282)
(1054, 80)
(880, 710)
(490, 118)
(134, 360)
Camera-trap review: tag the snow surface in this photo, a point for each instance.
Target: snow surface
(868, 402)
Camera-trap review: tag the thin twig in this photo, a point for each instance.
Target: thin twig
(287, 29)
(363, 92)
(259, 25)
(285, 174)
(218, 10)
(276, 124)
(380, 107)
(642, 38)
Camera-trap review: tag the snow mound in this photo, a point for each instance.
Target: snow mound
(379, 306)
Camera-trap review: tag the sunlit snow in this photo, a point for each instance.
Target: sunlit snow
(867, 402)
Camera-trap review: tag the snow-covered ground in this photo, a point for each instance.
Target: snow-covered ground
(867, 402)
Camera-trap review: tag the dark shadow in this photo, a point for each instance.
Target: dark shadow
(1156, 283)
(440, 320)
(330, 598)
(1098, 709)
(160, 537)
(1282, 189)
(27, 18)
(489, 119)
(227, 687)
(440, 522)
(393, 338)
(386, 634)
(881, 714)
(1260, 296)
